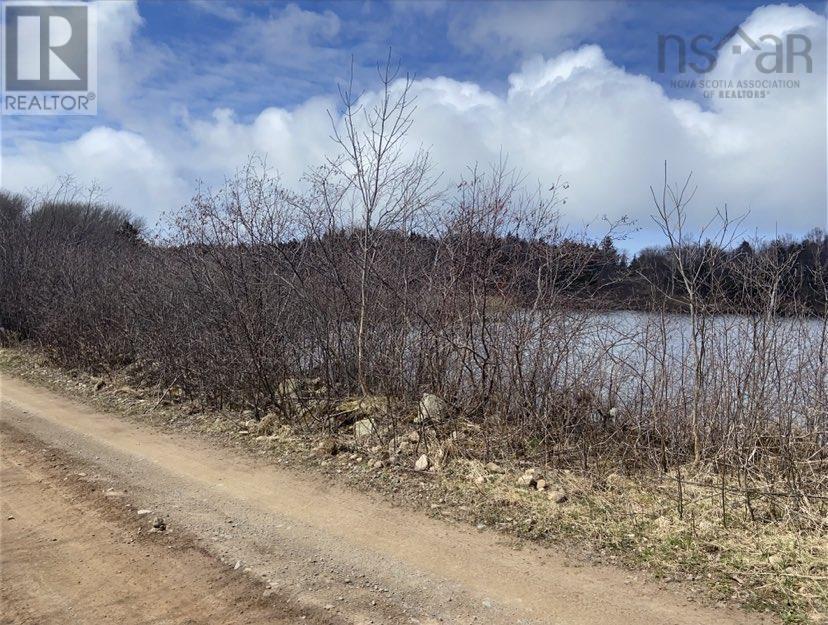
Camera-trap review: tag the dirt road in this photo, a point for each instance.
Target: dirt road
(248, 542)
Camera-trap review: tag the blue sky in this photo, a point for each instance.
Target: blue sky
(566, 89)
(429, 37)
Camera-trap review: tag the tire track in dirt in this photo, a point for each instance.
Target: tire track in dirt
(327, 547)
(70, 553)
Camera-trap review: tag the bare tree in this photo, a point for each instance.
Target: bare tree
(695, 263)
(384, 188)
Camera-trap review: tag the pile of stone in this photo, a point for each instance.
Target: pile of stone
(533, 478)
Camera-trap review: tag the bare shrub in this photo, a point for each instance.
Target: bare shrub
(374, 285)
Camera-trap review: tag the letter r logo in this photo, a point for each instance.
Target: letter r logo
(46, 48)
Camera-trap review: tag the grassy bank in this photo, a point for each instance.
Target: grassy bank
(681, 528)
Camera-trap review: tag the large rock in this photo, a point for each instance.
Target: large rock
(432, 408)
(530, 478)
(364, 428)
(526, 480)
(422, 463)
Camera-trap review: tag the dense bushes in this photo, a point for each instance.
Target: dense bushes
(243, 294)
(376, 284)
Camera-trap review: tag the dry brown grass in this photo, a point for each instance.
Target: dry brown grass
(770, 565)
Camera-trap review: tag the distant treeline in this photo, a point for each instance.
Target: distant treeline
(796, 272)
(787, 274)
(600, 276)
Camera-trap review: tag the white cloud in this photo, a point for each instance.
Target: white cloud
(575, 115)
(292, 37)
(130, 171)
(502, 28)
(291, 140)
(220, 8)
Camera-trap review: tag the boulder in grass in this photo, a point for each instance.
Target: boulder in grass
(432, 408)
(364, 428)
(530, 478)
